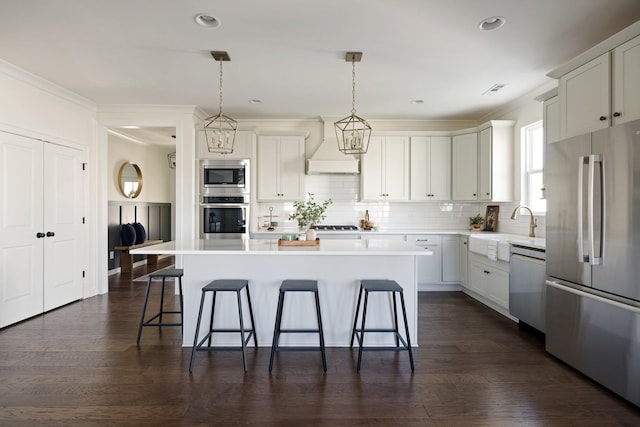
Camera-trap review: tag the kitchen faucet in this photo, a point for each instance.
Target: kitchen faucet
(532, 224)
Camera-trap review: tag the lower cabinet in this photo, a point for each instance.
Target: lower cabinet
(464, 260)
(490, 281)
(440, 271)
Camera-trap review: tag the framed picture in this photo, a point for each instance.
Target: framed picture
(491, 218)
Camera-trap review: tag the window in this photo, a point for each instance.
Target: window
(532, 167)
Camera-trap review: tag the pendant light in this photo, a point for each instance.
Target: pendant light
(353, 132)
(220, 130)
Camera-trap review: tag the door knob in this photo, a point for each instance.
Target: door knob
(616, 114)
(603, 118)
(40, 235)
(50, 234)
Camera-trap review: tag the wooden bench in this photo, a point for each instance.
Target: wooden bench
(126, 259)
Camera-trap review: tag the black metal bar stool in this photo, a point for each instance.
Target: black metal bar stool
(175, 273)
(381, 286)
(225, 285)
(297, 286)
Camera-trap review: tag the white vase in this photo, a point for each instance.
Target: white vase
(311, 234)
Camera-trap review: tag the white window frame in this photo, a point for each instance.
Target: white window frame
(527, 136)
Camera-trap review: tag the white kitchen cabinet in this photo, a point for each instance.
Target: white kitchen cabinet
(551, 120)
(451, 259)
(242, 148)
(464, 260)
(431, 168)
(464, 167)
(596, 95)
(41, 250)
(490, 281)
(429, 267)
(626, 79)
(495, 167)
(585, 100)
(385, 169)
(280, 165)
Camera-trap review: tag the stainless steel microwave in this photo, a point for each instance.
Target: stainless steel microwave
(224, 177)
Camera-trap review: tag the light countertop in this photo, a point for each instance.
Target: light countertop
(270, 247)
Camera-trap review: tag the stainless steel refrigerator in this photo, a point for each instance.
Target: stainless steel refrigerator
(593, 256)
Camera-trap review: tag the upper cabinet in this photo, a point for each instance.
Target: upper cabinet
(601, 87)
(585, 98)
(431, 168)
(464, 167)
(280, 165)
(385, 169)
(551, 120)
(495, 167)
(242, 148)
(626, 76)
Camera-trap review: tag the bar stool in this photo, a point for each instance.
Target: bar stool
(381, 286)
(297, 286)
(175, 273)
(224, 285)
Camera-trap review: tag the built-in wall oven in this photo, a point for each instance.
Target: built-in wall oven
(224, 199)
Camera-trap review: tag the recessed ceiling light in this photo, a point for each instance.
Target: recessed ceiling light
(208, 21)
(417, 101)
(492, 23)
(255, 101)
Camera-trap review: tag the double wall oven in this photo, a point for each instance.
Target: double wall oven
(224, 199)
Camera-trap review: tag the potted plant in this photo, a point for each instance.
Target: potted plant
(476, 222)
(309, 212)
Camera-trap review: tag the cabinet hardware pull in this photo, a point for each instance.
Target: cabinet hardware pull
(50, 234)
(616, 114)
(603, 118)
(40, 235)
(486, 272)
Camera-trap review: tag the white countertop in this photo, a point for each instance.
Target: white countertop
(271, 247)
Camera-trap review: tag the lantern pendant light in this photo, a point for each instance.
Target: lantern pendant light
(220, 130)
(353, 132)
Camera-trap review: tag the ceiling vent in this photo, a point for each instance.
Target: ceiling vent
(495, 88)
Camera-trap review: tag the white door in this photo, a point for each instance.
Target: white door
(465, 167)
(292, 167)
(62, 225)
(21, 219)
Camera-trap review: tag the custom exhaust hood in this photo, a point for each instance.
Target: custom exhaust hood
(328, 159)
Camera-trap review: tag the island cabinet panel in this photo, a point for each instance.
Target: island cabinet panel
(431, 168)
(280, 165)
(337, 265)
(385, 169)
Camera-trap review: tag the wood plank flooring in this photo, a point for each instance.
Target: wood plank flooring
(79, 366)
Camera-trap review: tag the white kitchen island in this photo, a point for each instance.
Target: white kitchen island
(337, 265)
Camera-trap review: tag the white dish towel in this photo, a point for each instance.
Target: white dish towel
(492, 250)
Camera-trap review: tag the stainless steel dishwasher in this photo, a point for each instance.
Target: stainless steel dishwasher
(527, 288)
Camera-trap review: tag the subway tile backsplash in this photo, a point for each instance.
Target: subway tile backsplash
(346, 209)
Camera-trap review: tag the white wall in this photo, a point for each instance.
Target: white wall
(158, 180)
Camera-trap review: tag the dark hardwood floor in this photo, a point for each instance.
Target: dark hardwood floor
(79, 366)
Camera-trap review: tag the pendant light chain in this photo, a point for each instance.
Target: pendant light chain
(353, 87)
(220, 87)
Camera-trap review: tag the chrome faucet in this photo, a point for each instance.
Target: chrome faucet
(532, 224)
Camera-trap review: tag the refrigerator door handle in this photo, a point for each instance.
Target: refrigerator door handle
(582, 160)
(594, 260)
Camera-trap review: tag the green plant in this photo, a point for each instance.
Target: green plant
(476, 220)
(309, 212)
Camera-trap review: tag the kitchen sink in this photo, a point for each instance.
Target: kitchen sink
(479, 243)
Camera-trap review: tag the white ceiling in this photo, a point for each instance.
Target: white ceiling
(290, 53)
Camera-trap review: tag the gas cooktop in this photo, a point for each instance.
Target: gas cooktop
(335, 227)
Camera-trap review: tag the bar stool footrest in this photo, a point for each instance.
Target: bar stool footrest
(298, 348)
(300, 331)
